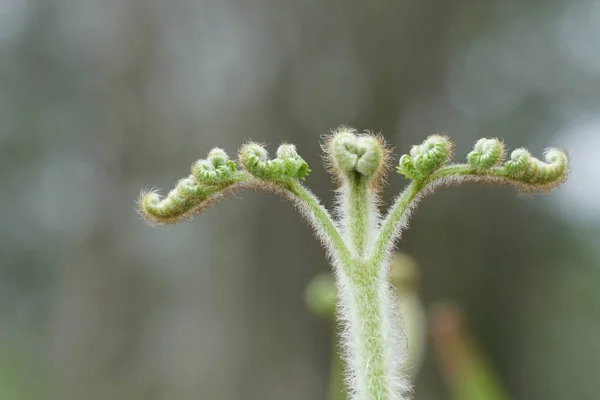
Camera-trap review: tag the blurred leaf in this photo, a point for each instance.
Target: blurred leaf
(463, 364)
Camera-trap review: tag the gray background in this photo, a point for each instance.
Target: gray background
(99, 99)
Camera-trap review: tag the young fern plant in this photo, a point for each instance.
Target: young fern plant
(358, 239)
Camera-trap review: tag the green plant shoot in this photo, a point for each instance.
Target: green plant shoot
(359, 241)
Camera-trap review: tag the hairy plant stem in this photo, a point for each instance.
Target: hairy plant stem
(358, 203)
(367, 301)
(320, 220)
(394, 222)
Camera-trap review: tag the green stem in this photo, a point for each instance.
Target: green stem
(496, 174)
(370, 335)
(390, 225)
(368, 308)
(321, 220)
(358, 214)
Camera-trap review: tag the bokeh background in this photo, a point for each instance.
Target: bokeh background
(99, 99)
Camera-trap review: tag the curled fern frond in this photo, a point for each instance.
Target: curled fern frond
(522, 170)
(351, 155)
(426, 164)
(525, 168)
(216, 176)
(255, 159)
(288, 164)
(293, 165)
(190, 188)
(215, 169)
(176, 205)
(486, 154)
(425, 158)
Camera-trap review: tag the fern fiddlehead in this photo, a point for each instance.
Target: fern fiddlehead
(359, 241)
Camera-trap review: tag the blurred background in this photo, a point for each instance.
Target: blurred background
(99, 99)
